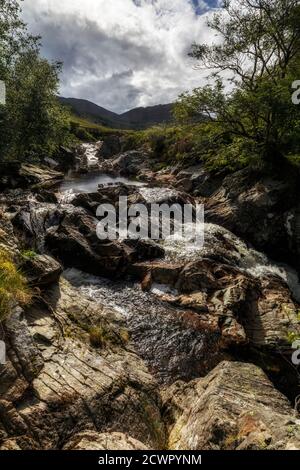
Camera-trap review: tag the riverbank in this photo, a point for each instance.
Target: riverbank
(135, 345)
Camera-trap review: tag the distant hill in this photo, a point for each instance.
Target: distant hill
(149, 116)
(139, 118)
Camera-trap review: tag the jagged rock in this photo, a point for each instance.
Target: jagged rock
(198, 181)
(89, 201)
(235, 407)
(32, 222)
(8, 240)
(133, 163)
(76, 244)
(68, 386)
(70, 234)
(242, 308)
(42, 270)
(24, 361)
(260, 208)
(39, 177)
(113, 441)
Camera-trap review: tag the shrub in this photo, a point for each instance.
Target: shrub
(13, 286)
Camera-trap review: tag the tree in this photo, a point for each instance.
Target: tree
(257, 56)
(36, 124)
(33, 123)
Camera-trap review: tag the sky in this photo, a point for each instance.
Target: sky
(122, 54)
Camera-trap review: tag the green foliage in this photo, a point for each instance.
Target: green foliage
(258, 47)
(292, 337)
(13, 286)
(32, 124)
(29, 254)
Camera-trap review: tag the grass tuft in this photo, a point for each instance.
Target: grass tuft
(13, 285)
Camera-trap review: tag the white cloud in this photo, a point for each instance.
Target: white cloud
(121, 53)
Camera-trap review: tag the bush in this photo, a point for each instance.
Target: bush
(13, 286)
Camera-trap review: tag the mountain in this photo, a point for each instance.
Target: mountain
(93, 112)
(149, 116)
(138, 118)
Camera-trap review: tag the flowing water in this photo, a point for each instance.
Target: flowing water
(90, 182)
(171, 341)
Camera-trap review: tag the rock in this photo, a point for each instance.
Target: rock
(24, 361)
(198, 181)
(42, 270)
(89, 201)
(8, 240)
(32, 222)
(39, 177)
(20, 175)
(111, 146)
(76, 244)
(261, 209)
(242, 308)
(133, 163)
(113, 441)
(69, 233)
(66, 159)
(63, 386)
(235, 407)
(138, 250)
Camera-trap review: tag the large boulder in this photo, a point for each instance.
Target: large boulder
(235, 407)
(41, 270)
(131, 164)
(25, 175)
(39, 177)
(70, 234)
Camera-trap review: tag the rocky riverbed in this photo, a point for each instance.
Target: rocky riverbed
(143, 345)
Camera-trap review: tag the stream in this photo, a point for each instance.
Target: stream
(170, 340)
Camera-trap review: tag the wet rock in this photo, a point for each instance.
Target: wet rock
(242, 308)
(76, 244)
(42, 270)
(32, 222)
(64, 386)
(235, 407)
(113, 441)
(89, 201)
(70, 234)
(138, 250)
(133, 163)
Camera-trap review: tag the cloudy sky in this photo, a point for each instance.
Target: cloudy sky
(122, 54)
